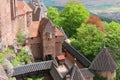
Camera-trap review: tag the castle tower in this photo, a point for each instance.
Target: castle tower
(39, 9)
(47, 38)
(104, 64)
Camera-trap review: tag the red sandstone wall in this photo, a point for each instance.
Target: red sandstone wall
(29, 18)
(21, 21)
(48, 43)
(58, 45)
(108, 74)
(36, 50)
(58, 48)
(71, 58)
(6, 24)
(88, 78)
(33, 40)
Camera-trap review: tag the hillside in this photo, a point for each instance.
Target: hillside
(100, 7)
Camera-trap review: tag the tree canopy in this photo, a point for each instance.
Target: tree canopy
(53, 14)
(70, 18)
(113, 42)
(73, 15)
(112, 35)
(89, 40)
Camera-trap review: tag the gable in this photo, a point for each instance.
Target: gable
(49, 27)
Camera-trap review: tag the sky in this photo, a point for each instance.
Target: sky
(90, 1)
(92, 5)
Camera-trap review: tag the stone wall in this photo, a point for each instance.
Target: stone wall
(8, 23)
(58, 45)
(108, 74)
(88, 78)
(71, 59)
(21, 21)
(48, 40)
(29, 19)
(6, 27)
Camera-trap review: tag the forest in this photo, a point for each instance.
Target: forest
(88, 33)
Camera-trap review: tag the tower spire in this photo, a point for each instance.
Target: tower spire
(104, 45)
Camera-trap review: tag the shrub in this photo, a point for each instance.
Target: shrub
(2, 58)
(20, 37)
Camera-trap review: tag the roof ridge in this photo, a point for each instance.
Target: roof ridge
(80, 57)
(76, 70)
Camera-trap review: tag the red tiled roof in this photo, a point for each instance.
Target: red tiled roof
(22, 8)
(58, 32)
(33, 29)
(36, 25)
(61, 57)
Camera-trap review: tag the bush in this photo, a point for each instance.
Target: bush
(9, 51)
(20, 37)
(21, 57)
(16, 62)
(2, 58)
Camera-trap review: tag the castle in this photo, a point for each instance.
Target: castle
(60, 61)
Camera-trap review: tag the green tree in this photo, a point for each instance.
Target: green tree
(89, 40)
(72, 16)
(53, 14)
(112, 35)
(113, 42)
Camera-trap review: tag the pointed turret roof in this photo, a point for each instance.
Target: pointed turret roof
(76, 73)
(103, 62)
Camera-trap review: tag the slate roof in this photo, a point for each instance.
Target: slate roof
(39, 3)
(55, 63)
(41, 6)
(45, 65)
(76, 73)
(81, 58)
(86, 73)
(55, 74)
(103, 62)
